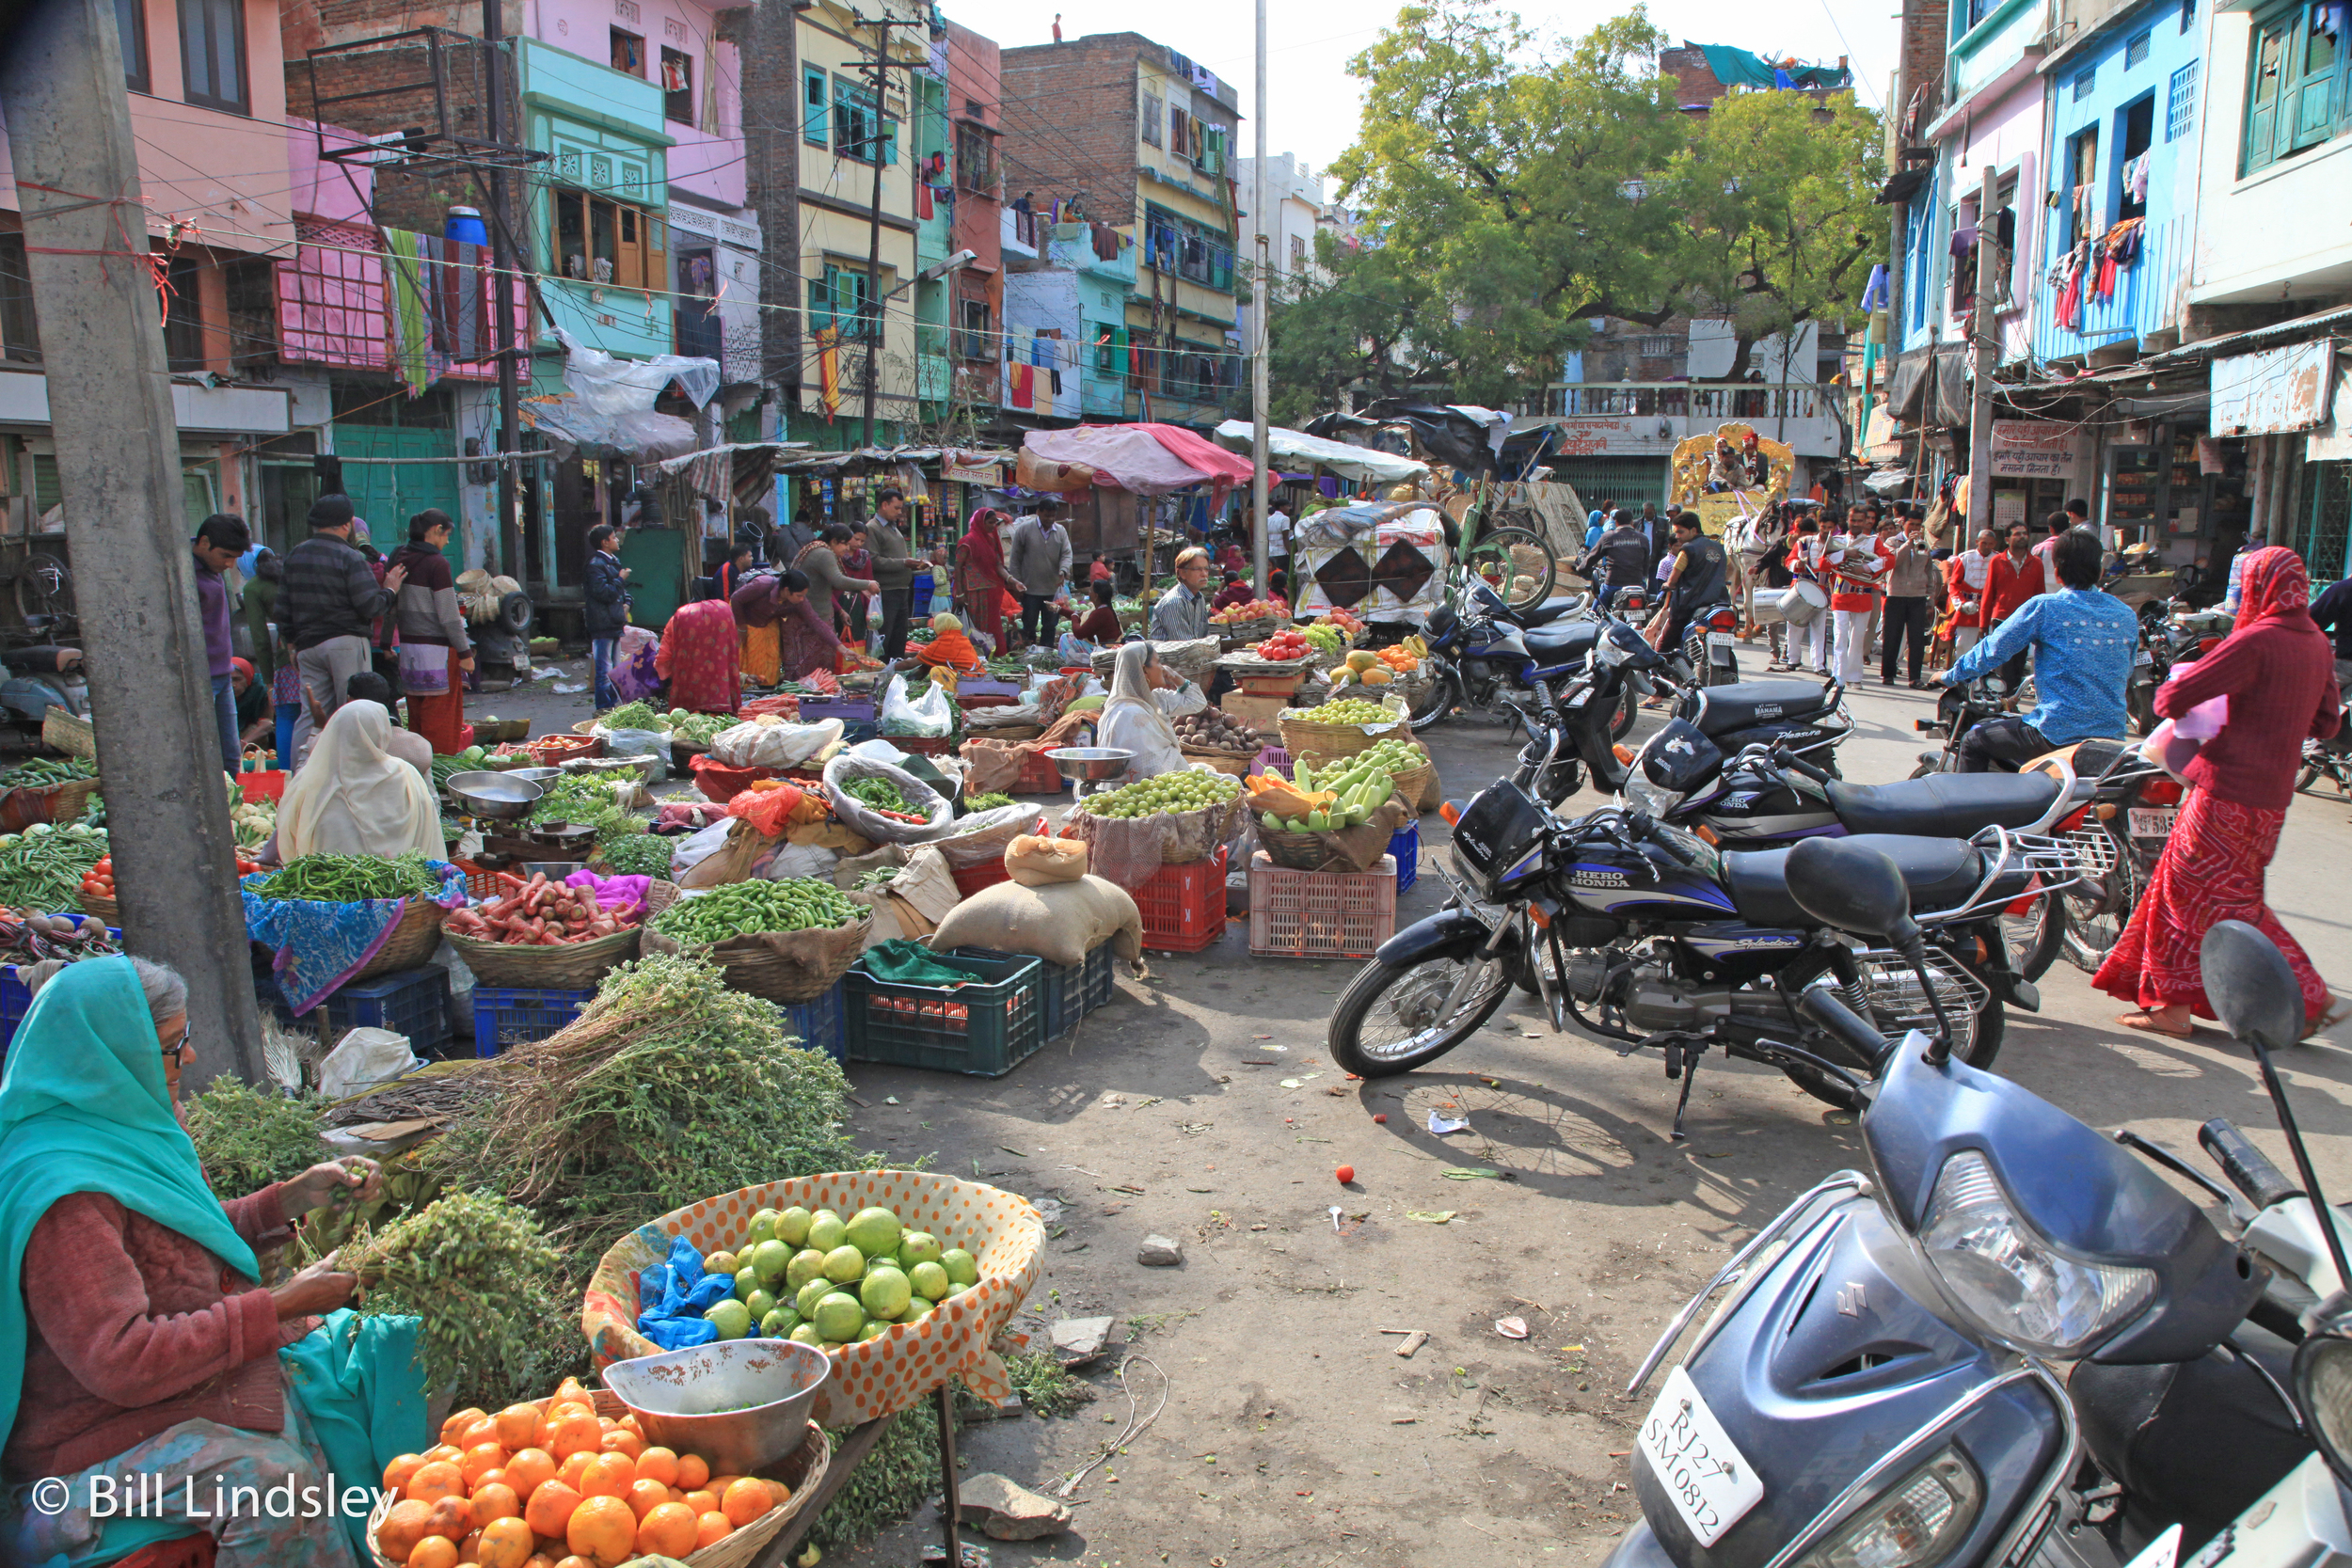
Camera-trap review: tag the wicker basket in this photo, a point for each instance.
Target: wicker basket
(757, 970)
(572, 966)
(1416, 787)
(1357, 849)
(66, 801)
(550, 749)
(802, 1471)
(77, 737)
(1235, 763)
(1307, 737)
(411, 942)
(102, 907)
(489, 732)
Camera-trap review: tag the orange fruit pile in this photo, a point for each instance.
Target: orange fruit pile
(561, 1487)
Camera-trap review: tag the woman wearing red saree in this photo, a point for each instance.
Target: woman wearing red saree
(698, 657)
(980, 574)
(2278, 670)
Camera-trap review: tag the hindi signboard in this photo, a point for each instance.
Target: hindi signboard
(2277, 391)
(2034, 449)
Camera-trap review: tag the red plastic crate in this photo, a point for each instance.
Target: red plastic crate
(1183, 905)
(1318, 914)
(971, 879)
(1038, 776)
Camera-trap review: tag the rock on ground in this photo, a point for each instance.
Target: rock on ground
(1008, 1510)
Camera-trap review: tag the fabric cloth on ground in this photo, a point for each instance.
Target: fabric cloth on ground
(358, 1388)
(103, 1201)
(697, 657)
(1132, 720)
(355, 797)
(2212, 870)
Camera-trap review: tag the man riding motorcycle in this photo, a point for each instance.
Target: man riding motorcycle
(2082, 641)
(1621, 560)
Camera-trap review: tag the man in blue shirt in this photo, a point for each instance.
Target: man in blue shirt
(2082, 641)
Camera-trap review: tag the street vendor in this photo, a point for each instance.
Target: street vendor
(1132, 720)
(698, 657)
(1234, 592)
(134, 1339)
(355, 794)
(1182, 613)
(805, 639)
(254, 715)
(1099, 625)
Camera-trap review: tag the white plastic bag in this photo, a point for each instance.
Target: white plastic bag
(929, 714)
(363, 1058)
(642, 743)
(773, 742)
(697, 848)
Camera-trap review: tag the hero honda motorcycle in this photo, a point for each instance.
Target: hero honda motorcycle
(1483, 657)
(1641, 933)
(1876, 1388)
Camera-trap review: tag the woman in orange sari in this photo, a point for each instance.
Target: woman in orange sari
(980, 574)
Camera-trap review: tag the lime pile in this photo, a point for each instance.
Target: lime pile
(1191, 790)
(1352, 710)
(826, 1281)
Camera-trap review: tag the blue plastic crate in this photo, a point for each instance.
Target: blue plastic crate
(823, 1024)
(15, 1001)
(1405, 843)
(1071, 991)
(414, 1003)
(504, 1016)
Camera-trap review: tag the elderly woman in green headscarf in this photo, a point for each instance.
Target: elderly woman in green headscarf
(137, 1337)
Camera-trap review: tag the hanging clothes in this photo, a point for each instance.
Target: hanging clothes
(922, 199)
(1022, 379)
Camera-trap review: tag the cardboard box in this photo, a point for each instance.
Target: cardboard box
(1257, 711)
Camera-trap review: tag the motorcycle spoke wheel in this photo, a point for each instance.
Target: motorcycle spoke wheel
(2096, 924)
(1393, 1016)
(2033, 938)
(1515, 562)
(1437, 703)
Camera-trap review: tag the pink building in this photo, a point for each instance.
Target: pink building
(976, 306)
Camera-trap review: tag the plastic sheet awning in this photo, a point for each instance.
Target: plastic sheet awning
(1146, 459)
(1294, 448)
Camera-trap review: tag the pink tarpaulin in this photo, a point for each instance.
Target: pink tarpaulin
(1148, 459)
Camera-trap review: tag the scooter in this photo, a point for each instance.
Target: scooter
(1638, 932)
(1879, 1386)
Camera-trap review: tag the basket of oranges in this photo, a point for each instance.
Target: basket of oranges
(571, 1479)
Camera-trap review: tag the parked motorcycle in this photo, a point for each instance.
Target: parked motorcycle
(1480, 657)
(2331, 758)
(1712, 644)
(1640, 932)
(2123, 810)
(1878, 1388)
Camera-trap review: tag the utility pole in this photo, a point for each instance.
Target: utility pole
(877, 74)
(69, 124)
(1985, 333)
(510, 529)
(1260, 338)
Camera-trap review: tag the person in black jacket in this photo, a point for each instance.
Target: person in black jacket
(606, 608)
(1621, 560)
(327, 607)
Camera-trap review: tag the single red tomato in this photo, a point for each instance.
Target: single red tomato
(1345, 1174)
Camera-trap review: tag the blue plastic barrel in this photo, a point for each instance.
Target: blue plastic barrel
(464, 226)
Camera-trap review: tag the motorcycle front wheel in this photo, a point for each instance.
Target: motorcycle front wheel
(1437, 703)
(1393, 1017)
(2034, 936)
(1515, 562)
(2094, 924)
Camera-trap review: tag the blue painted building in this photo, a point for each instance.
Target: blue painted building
(2122, 187)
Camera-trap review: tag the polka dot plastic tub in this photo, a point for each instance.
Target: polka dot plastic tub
(886, 1374)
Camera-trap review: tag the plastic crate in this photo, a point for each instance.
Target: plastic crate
(820, 1024)
(1071, 991)
(1183, 905)
(1404, 848)
(1272, 757)
(504, 1016)
(971, 879)
(1038, 776)
(1319, 914)
(850, 710)
(414, 1003)
(987, 1027)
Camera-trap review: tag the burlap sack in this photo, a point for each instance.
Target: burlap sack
(1036, 861)
(979, 839)
(733, 863)
(994, 766)
(1060, 923)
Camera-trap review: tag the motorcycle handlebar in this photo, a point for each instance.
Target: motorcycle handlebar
(2249, 1170)
(1827, 1011)
(1789, 760)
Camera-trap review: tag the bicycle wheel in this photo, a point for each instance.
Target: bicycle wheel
(1515, 562)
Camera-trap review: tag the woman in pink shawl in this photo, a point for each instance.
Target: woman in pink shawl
(980, 574)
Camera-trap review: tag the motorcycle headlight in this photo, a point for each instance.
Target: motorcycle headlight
(2010, 1280)
(2323, 1387)
(1920, 1519)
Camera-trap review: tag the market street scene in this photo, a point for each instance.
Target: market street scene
(886, 782)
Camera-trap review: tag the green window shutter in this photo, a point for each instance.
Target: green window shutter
(2263, 92)
(47, 492)
(821, 301)
(2315, 57)
(816, 108)
(889, 141)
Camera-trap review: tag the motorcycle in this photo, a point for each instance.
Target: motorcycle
(1709, 647)
(1806, 719)
(2331, 758)
(1479, 658)
(2123, 808)
(1877, 1388)
(1640, 932)
(1958, 708)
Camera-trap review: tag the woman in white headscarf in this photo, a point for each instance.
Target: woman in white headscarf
(355, 797)
(1132, 720)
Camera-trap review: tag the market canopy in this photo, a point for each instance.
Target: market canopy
(1146, 459)
(1297, 448)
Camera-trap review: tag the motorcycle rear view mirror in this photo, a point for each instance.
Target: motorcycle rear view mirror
(2252, 990)
(1849, 886)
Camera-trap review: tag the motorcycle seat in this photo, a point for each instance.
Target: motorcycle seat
(1944, 805)
(1559, 644)
(1940, 872)
(1743, 704)
(1552, 609)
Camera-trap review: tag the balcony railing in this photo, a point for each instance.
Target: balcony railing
(1687, 400)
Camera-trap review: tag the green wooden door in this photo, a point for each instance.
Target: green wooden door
(655, 559)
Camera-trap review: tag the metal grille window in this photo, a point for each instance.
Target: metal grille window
(2329, 520)
(2181, 111)
(2135, 51)
(20, 333)
(975, 159)
(183, 318)
(1659, 347)
(1150, 117)
(252, 311)
(2086, 83)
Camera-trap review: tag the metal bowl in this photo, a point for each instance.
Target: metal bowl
(741, 1404)
(554, 871)
(1089, 764)
(560, 835)
(500, 797)
(535, 775)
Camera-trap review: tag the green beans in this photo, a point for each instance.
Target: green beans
(738, 909)
(42, 867)
(881, 794)
(43, 771)
(350, 879)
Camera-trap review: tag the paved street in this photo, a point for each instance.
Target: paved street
(1291, 1432)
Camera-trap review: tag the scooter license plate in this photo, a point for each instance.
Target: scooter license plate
(2143, 658)
(1710, 1482)
(1718, 639)
(2152, 821)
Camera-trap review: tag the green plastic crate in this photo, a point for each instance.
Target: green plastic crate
(1071, 991)
(986, 1028)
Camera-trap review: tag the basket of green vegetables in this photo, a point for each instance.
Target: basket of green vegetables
(428, 887)
(788, 940)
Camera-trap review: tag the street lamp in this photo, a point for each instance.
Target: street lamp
(933, 273)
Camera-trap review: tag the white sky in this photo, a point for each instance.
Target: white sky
(1314, 102)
